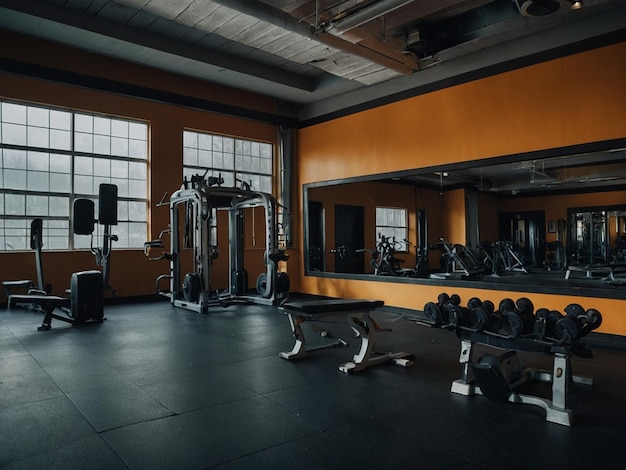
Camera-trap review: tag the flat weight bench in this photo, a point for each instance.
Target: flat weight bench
(590, 269)
(560, 377)
(357, 315)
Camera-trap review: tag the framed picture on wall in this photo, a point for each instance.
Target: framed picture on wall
(551, 226)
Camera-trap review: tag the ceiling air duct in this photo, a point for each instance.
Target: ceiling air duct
(535, 8)
(361, 16)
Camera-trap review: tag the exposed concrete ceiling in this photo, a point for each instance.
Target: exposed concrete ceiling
(306, 52)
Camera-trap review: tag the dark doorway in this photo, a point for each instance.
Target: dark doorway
(527, 232)
(315, 259)
(349, 236)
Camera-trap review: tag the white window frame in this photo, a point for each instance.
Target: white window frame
(393, 222)
(235, 159)
(51, 156)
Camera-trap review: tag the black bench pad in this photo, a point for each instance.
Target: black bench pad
(332, 305)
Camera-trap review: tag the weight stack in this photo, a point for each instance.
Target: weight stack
(239, 281)
(87, 296)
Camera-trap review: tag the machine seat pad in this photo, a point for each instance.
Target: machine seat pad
(332, 305)
(20, 283)
(42, 300)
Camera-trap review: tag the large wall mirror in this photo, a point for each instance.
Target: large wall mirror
(520, 214)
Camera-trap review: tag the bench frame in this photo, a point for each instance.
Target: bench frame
(357, 314)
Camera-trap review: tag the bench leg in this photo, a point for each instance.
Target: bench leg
(367, 356)
(299, 349)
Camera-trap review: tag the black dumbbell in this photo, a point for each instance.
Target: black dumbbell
(540, 325)
(478, 319)
(495, 319)
(436, 313)
(511, 322)
(525, 309)
(594, 318)
(566, 330)
(457, 315)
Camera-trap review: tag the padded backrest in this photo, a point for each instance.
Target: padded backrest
(83, 218)
(36, 234)
(107, 204)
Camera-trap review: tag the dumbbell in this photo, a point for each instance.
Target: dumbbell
(436, 313)
(478, 315)
(495, 318)
(567, 329)
(586, 320)
(525, 309)
(594, 320)
(543, 326)
(512, 324)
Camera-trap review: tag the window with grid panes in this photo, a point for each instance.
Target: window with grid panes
(392, 222)
(236, 160)
(49, 157)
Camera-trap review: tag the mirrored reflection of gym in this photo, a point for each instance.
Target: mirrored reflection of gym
(543, 223)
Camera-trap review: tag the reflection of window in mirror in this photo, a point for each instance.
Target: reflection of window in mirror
(392, 222)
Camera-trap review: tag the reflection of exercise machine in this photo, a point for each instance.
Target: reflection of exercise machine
(383, 259)
(501, 258)
(456, 261)
(506, 258)
(193, 213)
(86, 293)
(36, 244)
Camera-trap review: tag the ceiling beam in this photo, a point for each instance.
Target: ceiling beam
(102, 26)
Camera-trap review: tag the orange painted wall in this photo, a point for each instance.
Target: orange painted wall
(574, 100)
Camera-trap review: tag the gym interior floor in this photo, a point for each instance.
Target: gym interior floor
(158, 387)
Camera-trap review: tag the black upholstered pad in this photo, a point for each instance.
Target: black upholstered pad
(43, 300)
(333, 305)
(22, 283)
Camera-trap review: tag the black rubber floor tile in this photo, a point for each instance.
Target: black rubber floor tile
(116, 405)
(22, 381)
(40, 427)
(205, 438)
(184, 390)
(360, 445)
(84, 453)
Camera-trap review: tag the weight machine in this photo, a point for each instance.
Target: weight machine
(193, 224)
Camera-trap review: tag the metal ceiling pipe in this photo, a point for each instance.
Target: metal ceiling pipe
(365, 15)
(281, 19)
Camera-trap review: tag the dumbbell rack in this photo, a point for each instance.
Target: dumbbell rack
(560, 377)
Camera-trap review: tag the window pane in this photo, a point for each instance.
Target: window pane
(102, 126)
(60, 140)
(38, 117)
(138, 131)
(15, 179)
(83, 123)
(15, 113)
(13, 134)
(60, 120)
(14, 204)
(38, 181)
